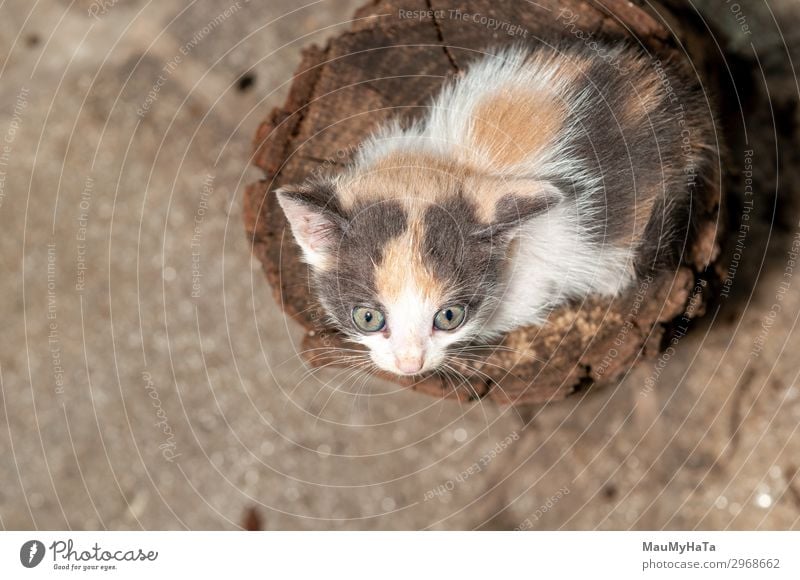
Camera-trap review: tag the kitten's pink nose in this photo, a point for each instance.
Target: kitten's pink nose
(410, 363)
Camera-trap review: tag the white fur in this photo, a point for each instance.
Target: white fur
(447, 126)
(552, 261)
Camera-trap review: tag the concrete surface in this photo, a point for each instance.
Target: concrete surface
(150, 382)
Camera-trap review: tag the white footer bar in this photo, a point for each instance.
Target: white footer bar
(401, 555)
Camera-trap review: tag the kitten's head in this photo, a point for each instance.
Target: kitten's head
(410, 277)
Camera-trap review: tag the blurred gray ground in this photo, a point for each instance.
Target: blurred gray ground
(150, 381)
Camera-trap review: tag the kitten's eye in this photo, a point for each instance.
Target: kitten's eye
(368, 319)
(449, 317)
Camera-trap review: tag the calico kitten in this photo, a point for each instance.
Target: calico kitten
(540, 175)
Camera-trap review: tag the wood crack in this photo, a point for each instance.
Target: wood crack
(440, 36)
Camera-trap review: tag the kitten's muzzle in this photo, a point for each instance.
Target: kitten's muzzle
(410, 363)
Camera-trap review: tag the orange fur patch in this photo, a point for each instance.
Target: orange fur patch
(402, 265)
(512, 125)
(405, 176)
(645, 97)
(418, 180)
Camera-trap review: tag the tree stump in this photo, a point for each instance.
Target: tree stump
(393, 60)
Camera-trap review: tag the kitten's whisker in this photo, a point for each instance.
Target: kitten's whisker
(333, 356)
(337, 389)
(340, 359)
(479, 398)
(440, 371)
(483, 361)
(496, 384)
(300, 354)
(315, 370)
(471, 388)
(521, 354)
(341, 376)
(476, 396)
(453, 386)
(328, 348)
(370, 372)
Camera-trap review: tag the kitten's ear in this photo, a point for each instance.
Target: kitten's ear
(525, 199)
(315, 218)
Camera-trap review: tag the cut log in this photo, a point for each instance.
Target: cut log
(393, 60)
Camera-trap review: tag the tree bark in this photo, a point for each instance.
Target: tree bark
(392, 62)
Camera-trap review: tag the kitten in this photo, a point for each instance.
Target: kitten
(540, 175)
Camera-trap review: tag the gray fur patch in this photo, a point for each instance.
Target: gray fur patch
(367, 228)
(639, 160)
(467, 255)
